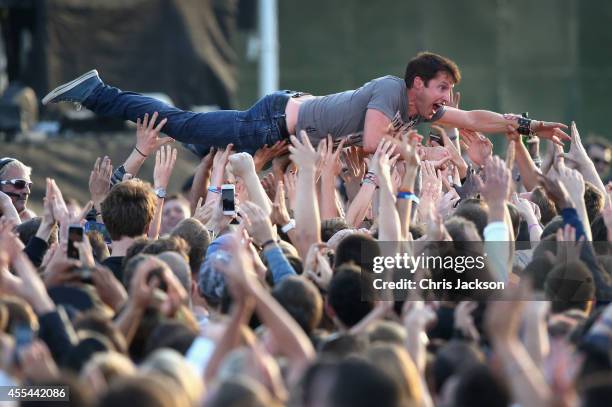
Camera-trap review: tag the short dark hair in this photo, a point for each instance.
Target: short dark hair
(569, 286)
(301, 299)
(593, 200)
(478, 386)
(128, 209)
(198, 238)
(168, 244)
(359, 383)
(453, 358)
(548, 210)
(475, 210)
(344, 295)
(427, 65)
(329, 227)
(537, 270)
(354, 248)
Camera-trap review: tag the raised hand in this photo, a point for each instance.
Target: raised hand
(280, 214)
(572, 181)
(265, 154)
(431, 190)
(147, 134)
(455, 155)
(100, 180)
(355, 166)
(385, 148)
(550, 130)
(269, 185)
(291, 183)
(165, 159)
(556, 191)
(302, 153)
(257, 223)
(316, 266)
(464, 321)
(497, 184)
(577, 153)
(242, 164)
(204, 212)
(330, 159)
(406, 146)
(478, 148)
(217, 177)
(528, 210)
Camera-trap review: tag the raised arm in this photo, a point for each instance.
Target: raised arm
(491, 122)
(307, 220)
(243, 166)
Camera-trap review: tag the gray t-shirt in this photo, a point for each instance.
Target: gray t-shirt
(343, 114)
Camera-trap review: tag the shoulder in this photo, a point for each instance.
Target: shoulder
(389, 80)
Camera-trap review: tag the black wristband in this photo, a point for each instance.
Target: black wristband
(140, 152)
(267, 242)
(524, 127)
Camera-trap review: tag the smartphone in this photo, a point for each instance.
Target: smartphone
(98, 227)
(228, 199)
(23, 338)
(75, 234)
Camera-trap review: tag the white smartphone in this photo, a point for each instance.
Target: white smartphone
(227, 199)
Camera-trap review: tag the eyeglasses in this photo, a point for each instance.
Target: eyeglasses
(17, 183)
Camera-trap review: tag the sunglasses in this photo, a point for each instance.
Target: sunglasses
(17, 183)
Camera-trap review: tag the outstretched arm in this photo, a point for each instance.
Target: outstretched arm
(491, 122)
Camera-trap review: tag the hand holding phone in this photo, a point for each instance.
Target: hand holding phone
(228, 195)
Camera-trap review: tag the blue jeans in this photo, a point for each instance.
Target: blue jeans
(263, 123)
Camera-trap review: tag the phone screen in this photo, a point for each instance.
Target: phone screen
(98, 227)
(227, 197)
(75, 234)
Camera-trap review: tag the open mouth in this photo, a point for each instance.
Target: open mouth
(436, 107)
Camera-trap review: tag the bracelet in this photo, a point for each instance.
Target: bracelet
(371, 178)
(524, 126)
(140, 152)
(409, 196)
(215, 190)
(288, 226)
(267, 242)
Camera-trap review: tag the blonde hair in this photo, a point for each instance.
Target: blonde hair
(112, 365)
(170, 363)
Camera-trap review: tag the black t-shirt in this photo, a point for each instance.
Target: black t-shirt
(114, 263)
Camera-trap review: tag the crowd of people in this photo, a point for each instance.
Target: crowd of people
(172, 300)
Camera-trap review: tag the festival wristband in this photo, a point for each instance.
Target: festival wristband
(215, 190)
(408, 195)
(288, 226)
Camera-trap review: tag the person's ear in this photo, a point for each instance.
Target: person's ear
(418, 83)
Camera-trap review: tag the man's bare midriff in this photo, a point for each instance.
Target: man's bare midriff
(292, 111)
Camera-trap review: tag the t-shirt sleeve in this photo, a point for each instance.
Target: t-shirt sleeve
(386, 94)
(437, 115)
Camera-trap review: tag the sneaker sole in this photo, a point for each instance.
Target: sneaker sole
(68, 86)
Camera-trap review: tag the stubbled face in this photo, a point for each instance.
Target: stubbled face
(174, 212)
(19, 196)
(437, 93)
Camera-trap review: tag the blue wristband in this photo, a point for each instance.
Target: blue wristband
(408, 195)
(215, 190)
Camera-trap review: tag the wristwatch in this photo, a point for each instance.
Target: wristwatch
(160, 192)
